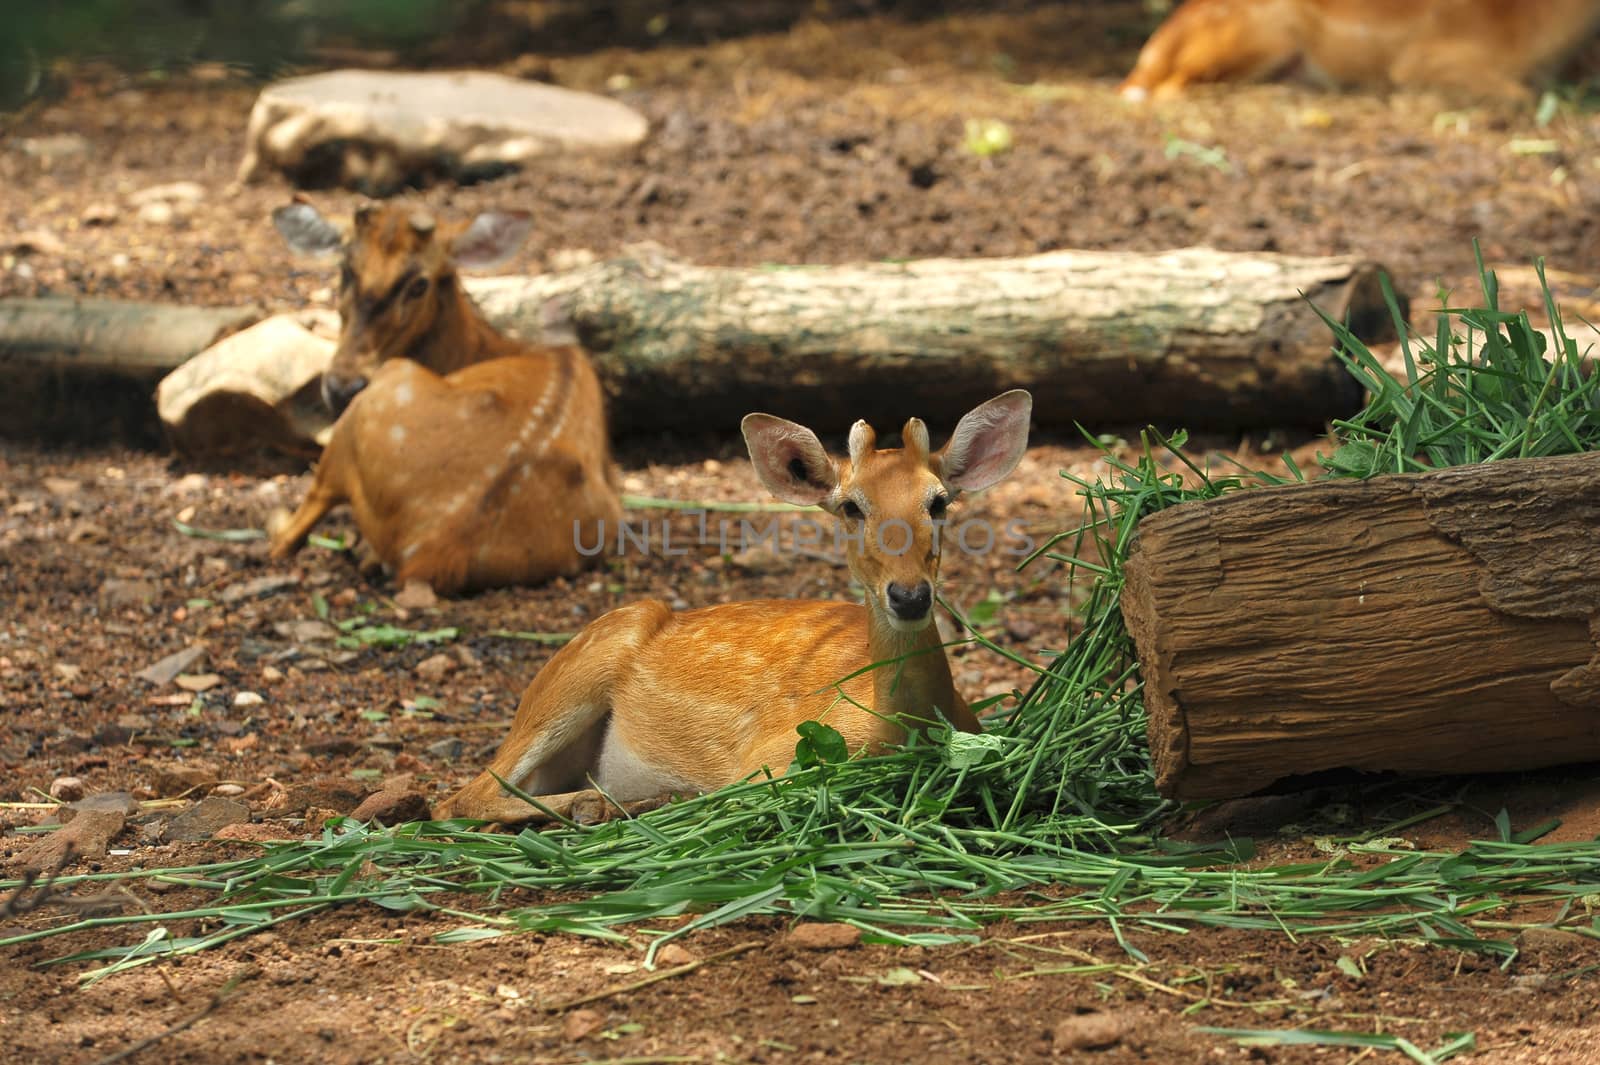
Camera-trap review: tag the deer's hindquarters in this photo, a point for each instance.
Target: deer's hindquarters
(645, 701)
(494, 475)
(1484, 47)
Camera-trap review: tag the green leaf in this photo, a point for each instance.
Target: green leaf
(819, 745)
(964, 750)
(899, 978)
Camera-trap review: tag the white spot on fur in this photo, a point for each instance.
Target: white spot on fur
(397, 433)
(529, 438)
(403, 393)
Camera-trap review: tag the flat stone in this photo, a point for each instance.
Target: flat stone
(198, 682)
(249, 833)
(672, 954)
(39, 241)
(393, 806)
(67, 789)
(167, 669)
(88, 835)
(57, 146)
(184, 777)
(435, 667)
(447, 749)
(1551, 948)
(173, 192)
(1089, 1031)
(117, 593)
(331, 746)
(117, 802)
(378, 130)
(821, 935)
(416, 595)
(206, 818)
(306, 630)
(158, 214)
(99, 214)
(580, 1024)
(259, 588)
(335, 798)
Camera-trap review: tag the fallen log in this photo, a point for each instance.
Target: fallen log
(110, 335)
(1423, 624)
(83, 369)
(1193, 337)
(259, 386)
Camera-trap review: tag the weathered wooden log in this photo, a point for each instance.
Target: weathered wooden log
(1194, 337)
(138, 339)
(83, 369)
(258, 387)
(1435, 623)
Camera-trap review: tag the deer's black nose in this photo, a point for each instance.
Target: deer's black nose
(337, 392)
(910, 602)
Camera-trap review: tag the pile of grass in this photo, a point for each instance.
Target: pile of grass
(1053, 805)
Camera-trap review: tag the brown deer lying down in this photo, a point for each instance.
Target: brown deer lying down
(646, 702)
(489, 475)
(1481, 47)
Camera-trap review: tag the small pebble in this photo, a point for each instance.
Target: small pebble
(67, 789)
(247, 699)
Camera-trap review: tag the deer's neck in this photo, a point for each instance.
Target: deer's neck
(461, 336)
(917, 676)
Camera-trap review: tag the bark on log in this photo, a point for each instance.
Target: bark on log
(1437, 623)
(1194, 337)
(138, 339)
(83, 370)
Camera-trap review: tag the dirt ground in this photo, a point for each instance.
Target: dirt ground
(815, 139)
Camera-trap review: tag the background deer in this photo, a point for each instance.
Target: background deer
(1483, 47)
(489, 475)
(646, 702)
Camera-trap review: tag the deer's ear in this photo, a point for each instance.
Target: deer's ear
(306, 231)
(789, 459)
(491, 239)
(988, 442)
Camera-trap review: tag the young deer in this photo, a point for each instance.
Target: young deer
(646, 701)
(491, 474)
(1482, 47)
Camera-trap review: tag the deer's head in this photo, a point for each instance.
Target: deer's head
(398, 285)
(892, 503)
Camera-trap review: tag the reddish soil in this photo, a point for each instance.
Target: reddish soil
(821, 140)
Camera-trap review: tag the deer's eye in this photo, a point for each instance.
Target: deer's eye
(851, 511)
(937, 508)
(416, 288)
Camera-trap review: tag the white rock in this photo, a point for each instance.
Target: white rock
(174, 192)
(392, 125)
(247, 699)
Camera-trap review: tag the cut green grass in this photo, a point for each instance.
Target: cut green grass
(1455, 1043)
(1054, 804)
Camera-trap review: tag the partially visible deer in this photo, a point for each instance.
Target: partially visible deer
(646, 702)
(490, 474)
(1479, 47)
